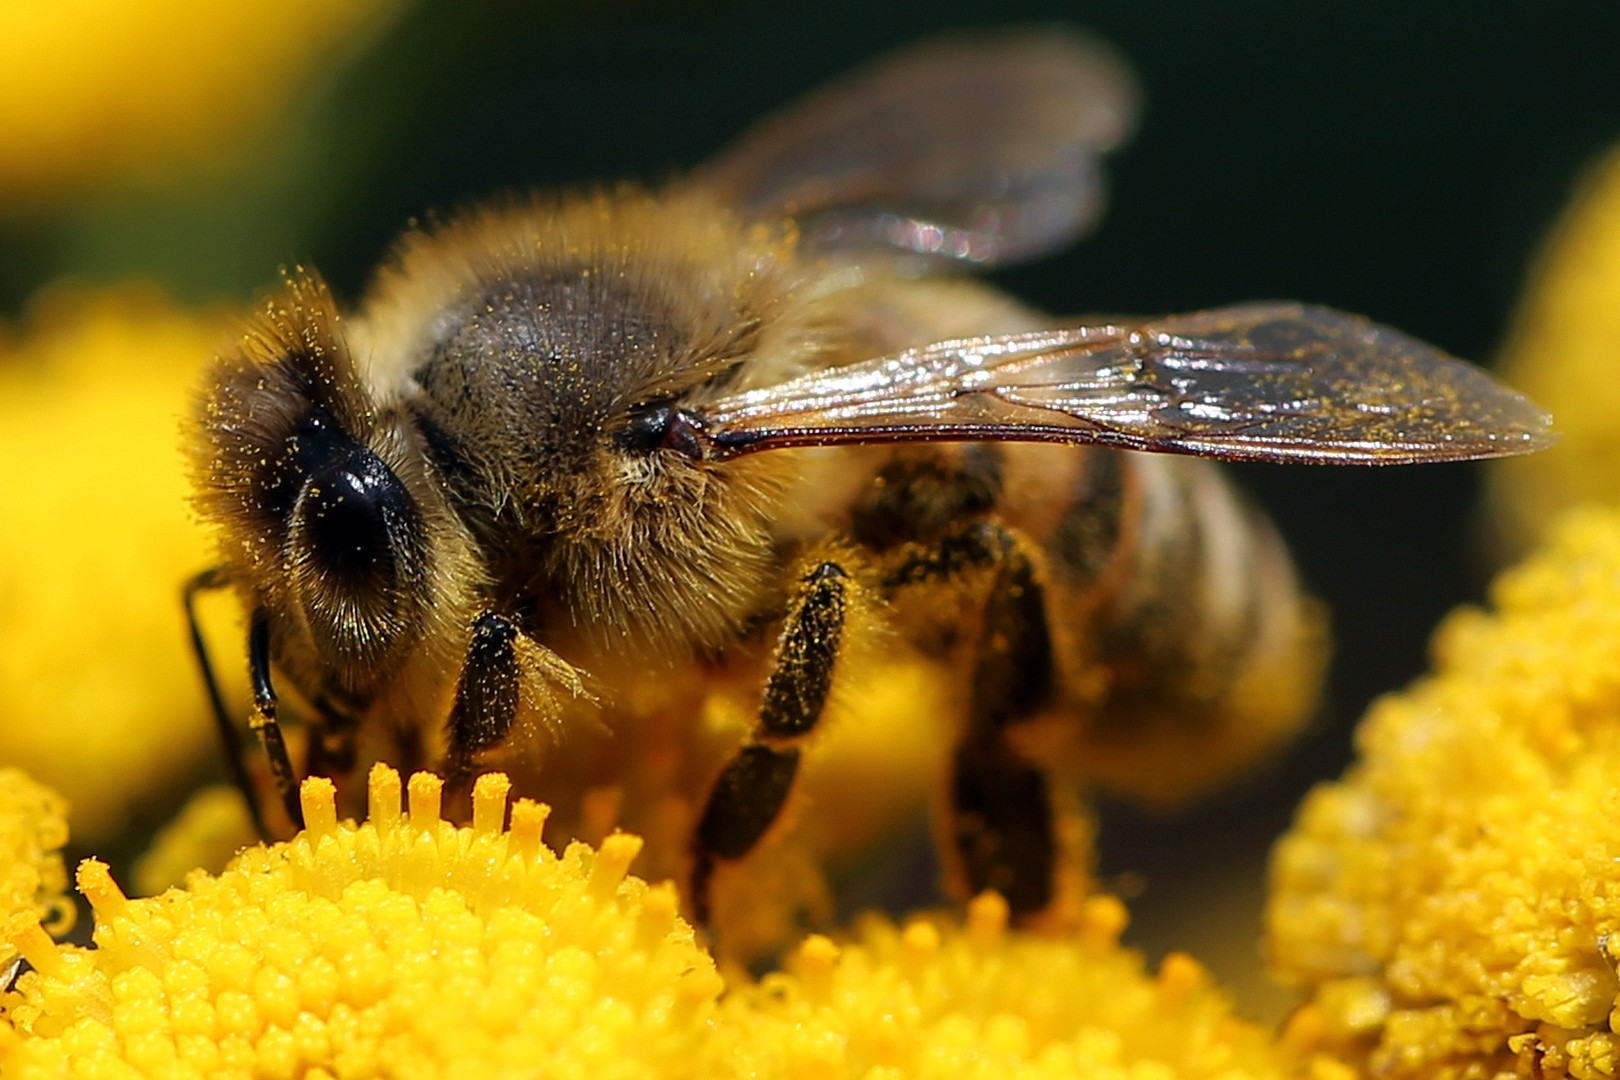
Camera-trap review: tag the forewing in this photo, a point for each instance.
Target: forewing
(963, 149)
(1266, 382)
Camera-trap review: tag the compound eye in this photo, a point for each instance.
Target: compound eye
(357, 558)
(663, 427)
(356, 516)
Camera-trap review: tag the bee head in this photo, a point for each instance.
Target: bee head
(318, 500)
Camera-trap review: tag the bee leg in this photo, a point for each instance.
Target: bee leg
(754, 785)
(1002, 824)
(1002, 832)
(230, 739)
(486, 695)
(263, 721)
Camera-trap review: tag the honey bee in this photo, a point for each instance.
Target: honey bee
(579, 459)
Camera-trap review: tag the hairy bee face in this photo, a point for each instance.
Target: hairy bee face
(709, 433)
(317, 491)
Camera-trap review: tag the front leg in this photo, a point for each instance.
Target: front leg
(504, 674)
(330, 750)
(754, 785)
(263, 722)
(263, 719)
(212, 580)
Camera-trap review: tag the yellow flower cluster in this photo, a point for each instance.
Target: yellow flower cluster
(409, 947)
(1453, 901)
(91, 89)
(1563, 353)
(401, 947)
(33, 829)
(98, 692)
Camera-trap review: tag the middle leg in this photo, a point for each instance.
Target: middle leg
(755, 783)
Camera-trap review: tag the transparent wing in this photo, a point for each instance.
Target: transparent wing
(1266, 382)
(967, 149)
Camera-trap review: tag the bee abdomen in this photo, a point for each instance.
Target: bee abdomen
(1188, 647)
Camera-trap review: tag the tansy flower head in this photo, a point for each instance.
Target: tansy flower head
(404, 946)
(1454, 901)
(410, 947)
(936, 999)
(32, 878)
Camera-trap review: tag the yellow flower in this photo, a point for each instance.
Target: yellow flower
(32, 878)
(935, 999)
(97, 88)
(406, 946)
(402, 947)
(1563, 353)
(98, 693)
(1452, 901)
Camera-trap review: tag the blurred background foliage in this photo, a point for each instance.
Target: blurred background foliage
(1391, 158)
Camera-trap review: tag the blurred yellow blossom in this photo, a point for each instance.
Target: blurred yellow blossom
(402, 947)
(98, 693)
(1452, 902)
(91, 89)
(206, 834)
(1563, 353)
(33, 828)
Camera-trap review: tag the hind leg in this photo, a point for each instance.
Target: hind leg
(1001, 831)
